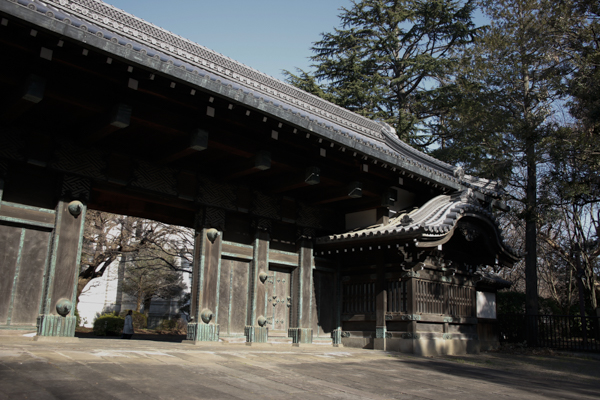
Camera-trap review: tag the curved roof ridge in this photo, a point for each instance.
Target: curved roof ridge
(426, 210)
(433, 222)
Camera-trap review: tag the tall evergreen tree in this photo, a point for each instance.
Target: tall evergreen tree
(583, 46)
(574, 181)
(501, 123)
(390, 60)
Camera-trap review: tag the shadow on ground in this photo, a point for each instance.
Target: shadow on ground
(558, 376)
(136, 336)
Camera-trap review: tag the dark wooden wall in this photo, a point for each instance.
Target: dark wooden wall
(39, 253)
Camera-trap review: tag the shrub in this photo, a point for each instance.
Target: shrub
(167, 324)
(175, 326)
(108, 325)
(140, 321)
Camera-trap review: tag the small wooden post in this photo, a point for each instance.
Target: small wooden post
(412, 306)
(337, 332)
(380, 310)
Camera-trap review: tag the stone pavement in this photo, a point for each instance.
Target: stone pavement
(130, 370)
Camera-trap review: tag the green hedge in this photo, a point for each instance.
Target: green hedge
(108, 325)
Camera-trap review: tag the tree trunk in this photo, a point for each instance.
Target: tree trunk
(81, 284)
(579, 275)
(147, 300)
(138, 302)
(570, 291)
(531, 278)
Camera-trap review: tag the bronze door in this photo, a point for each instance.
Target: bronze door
(279, 300)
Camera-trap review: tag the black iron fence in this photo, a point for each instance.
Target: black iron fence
(564, 332)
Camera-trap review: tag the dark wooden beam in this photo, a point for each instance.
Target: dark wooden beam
(353, 190)
(311, 177)
(30, 94)
(196, 141)
(119, 118)
(261, 161)
(231, 169)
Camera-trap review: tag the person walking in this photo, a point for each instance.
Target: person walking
(128, 327)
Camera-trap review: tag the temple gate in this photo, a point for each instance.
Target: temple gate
(313, 224)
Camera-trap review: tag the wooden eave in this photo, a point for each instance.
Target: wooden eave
(346, 131)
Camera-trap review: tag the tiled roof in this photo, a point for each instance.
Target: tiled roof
(432, 222)
(491, 279)
(171, 53)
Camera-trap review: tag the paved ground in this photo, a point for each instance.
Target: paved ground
(130, 370)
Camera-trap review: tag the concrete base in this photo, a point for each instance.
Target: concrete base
(423, 346)
(259, 344)
(200, 343)
(433, 347)
(358, 342)
(232, 340)
(379, 344)
(56, 339)
(322, 341)
(279, 339)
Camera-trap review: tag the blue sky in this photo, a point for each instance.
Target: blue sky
(267, 35)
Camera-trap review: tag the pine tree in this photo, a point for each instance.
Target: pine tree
(584, 47)
(390, 60)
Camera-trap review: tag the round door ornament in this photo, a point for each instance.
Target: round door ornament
(75, 208)
(206, 315)
(261, 320)
(64, 307)
(212, 234)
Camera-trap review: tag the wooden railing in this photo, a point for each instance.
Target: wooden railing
(431, 298)
(443, 298)
(358, 298)
(397, 297)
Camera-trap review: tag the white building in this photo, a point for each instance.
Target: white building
(104, 294)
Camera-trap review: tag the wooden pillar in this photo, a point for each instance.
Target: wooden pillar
(380, 310)
(57, 312)
(337, 332)
(411, 307)
(302, 281)
(205, 286)
(256, 325)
